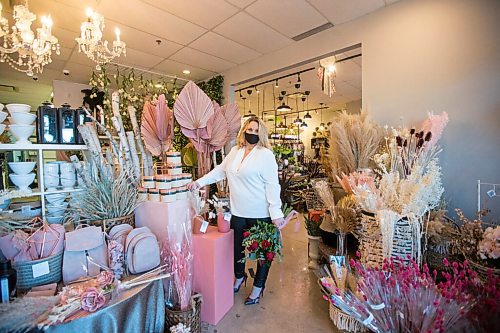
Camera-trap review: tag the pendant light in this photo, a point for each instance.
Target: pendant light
(307, 115)
(322, 125)
(283, 107)
(304, 124)
(249, 114)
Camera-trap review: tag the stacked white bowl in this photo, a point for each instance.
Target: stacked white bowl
(51, 176)
(22, 175)
(21, 122)
(68, 176)
(3, 116)
(56, 207)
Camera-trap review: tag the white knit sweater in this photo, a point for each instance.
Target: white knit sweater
(253, 184)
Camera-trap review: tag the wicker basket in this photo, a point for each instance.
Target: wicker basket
(344, 322)
(190, 317)
(107, 224)
(24, 270)
(482, 271)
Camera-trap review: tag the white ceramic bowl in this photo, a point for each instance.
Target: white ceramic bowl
(22, 132)
(55, 211)
(55, 219)
(1, 107)
(22, 181)
(2, 128)
(18, 108)
(51, 169)
(22, 118)
(67, 168)
(56, 198)
(3, 115)
(57, 206)
(22, 168)
(51, 182)
(68, 180)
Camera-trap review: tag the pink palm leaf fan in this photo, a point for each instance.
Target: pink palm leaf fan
(157, 127)
(233, 119)
(192, 110)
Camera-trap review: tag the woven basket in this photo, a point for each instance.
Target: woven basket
(107, 224)
(190, 317)
(482, 271)
(344, 322)
(24, 270)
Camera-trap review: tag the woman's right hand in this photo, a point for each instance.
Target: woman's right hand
(193, 186)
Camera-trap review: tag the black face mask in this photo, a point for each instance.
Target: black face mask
(251, 138)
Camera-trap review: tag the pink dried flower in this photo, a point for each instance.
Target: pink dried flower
(92, 299)
(105, 278)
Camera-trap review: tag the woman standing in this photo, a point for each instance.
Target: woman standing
(252, 175)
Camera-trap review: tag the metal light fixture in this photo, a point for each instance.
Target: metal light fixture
(276, 85)
(283, 107)
(22, 49)
(249, 114)
(322, 125)
(304, 125)
(90, 41)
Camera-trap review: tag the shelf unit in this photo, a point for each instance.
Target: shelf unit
(40, 148)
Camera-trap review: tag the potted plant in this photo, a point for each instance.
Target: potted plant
(313, 237)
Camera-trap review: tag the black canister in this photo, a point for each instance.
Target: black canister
(8, 278)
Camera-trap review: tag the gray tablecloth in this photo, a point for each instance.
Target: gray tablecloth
(141, 309)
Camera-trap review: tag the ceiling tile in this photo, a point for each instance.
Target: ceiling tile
(250, 32)
(78, 73)
(80, 58)
(142, 41)
(80, 4)
(347, 71)
(206, 13)
(65, 53)
(137, 58)
(147, 18)
(241, 3)
(224, 48)
(340, 11)
(175, 68)
(57, 65)
(65, 37)
(64, 16)
(201, 60)
(291, 17)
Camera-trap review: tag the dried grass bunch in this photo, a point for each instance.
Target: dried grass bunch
(354, 140)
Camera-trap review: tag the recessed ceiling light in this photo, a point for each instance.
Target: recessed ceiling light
(158, 85)
(186, 71)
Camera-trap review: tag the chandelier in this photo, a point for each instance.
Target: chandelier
(90, 41)
(20, 48)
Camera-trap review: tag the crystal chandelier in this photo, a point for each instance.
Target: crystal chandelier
(90, 41)
(21, 49)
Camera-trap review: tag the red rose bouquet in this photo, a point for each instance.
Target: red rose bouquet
(262, 242)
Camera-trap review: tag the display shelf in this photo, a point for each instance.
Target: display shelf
(40, 148)
(37, 192)
(37, 146)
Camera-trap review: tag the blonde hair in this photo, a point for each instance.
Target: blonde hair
(263, 134)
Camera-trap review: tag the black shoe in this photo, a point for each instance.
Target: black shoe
(251, 301)
(243, 281)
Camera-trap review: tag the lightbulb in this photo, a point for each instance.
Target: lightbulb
(117, 32)
(89, 12)
(186, 72)
(331, 68)
(47, 21)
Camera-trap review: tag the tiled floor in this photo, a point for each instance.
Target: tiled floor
(292, 301)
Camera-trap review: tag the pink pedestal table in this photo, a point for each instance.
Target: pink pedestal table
(213, 256)
(156, 216)
(214, 272)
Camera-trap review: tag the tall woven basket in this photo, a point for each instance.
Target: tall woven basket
(25, 279)
(482, 271)
(108, 224)
(190, 317)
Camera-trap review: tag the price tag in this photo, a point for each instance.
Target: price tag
(204, 227)
(40, 269)
(227, 216)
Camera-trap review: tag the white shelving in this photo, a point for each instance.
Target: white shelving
(40, 148)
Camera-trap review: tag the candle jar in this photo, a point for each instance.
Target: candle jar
(143, 193)
(81, 119)
(176, 181)
(148, 182)
(168, 195)
(163, 182)
(153, 195)
(181, 193)
(173, 157)
(174, 169)
(67, 124)
(47, 124)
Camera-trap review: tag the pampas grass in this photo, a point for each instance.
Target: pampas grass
(354, 140)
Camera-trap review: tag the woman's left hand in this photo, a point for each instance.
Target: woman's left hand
(279, 223)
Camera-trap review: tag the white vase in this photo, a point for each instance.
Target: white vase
(313, 251)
